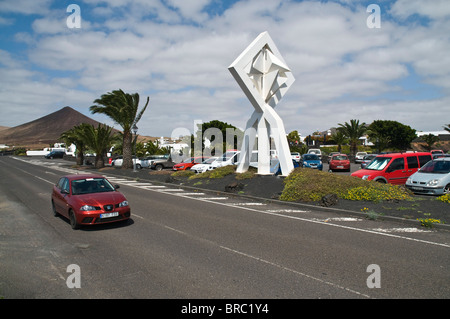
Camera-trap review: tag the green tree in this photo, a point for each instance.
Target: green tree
(100, 140)
(353, 131)
(339, 138)
(122, 108)
(391, 134)
(209, 129)
(76, 136)
(430, 139)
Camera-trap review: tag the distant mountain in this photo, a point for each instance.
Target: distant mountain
(45, 130)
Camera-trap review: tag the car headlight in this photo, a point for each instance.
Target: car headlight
(433, 182)
(88, 207)
(409, 181)
(123, 204)
(365, 177)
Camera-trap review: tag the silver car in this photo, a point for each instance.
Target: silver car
(433, 178)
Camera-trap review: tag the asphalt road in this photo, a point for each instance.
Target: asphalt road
(181, 244)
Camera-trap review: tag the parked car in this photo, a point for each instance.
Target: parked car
(55, 154)
(393, 168)
(189, 162)
(433, 178)
(367, 159)
(119, 161)
(339, 162)
(88, 199)
(312, 161)
(204, 166)
(315, 151)
(160, 162)
(360, 156)
(331, 155)
(437, 153)
(228, 158)
(296, 156)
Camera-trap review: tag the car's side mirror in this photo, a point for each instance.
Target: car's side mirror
(116, 186)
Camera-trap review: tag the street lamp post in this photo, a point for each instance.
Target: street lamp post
(134, 128)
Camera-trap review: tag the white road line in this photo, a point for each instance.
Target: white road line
(402, 230)
(287, 211)
(294, 271)
(248, 204)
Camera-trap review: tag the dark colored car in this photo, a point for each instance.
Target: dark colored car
(367, 159)
(339, 162)
(55, 154)
(88, 199)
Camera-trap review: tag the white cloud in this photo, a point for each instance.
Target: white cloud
(343, 69)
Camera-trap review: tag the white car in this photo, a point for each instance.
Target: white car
(204, 166)
(228, 158)
(119, 160)
(360, 156)
(315, 151)
(433, 178)
(296, 157)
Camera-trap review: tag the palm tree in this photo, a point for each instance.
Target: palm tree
(76, 136)
(353, 131)
(100, 141)
(122, 108)
(339, 138)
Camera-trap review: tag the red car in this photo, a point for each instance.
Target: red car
(339, 162)
(189, 162)
(88, 199)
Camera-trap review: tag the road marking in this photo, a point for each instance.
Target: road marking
(287, 211)
(295, 271)
(402, 230)
(248, 204)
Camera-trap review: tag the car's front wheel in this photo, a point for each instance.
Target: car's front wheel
(73, 220)
(55, 213)
(447, 189)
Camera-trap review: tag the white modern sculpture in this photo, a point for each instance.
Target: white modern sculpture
(264, 77)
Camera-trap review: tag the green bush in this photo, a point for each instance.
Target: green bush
(305, 184)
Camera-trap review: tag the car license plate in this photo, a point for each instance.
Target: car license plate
(340, 166)
(107, 215)
(417, 188)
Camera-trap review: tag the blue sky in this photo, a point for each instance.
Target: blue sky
(177, 52)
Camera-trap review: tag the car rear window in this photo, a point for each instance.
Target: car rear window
(412, 162)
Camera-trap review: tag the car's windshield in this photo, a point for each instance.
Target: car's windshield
(339, 158)
(227, 156)
(91, 185)
(436, 167)
(378, 163)
(309, 157)
(188, 160)
(209, 160)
